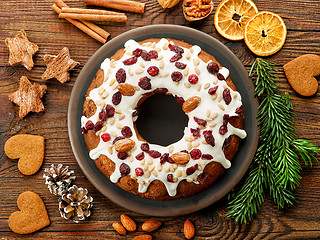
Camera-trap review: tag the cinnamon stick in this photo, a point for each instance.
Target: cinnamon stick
(89, 11)
(94, 17)
(124, 5)
(81, 26)
(90, 28)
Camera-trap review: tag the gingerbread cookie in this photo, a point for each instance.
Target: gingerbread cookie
(30, 150)
(32, 215)
(59, 66)
(21, 50)
(301, 73)
(28, 97)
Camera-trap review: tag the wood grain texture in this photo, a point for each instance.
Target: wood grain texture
(52, 34)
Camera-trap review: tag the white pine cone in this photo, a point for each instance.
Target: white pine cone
(75, 204)
(58, 178)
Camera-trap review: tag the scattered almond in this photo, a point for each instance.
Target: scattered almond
(188, 229)
(124, 145)
(119, 228)
(126, 89)
(127, 222)
(190, 104)
(180, 158)
(143, 237)
(151, 225)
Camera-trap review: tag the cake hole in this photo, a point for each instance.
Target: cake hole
(161, 120)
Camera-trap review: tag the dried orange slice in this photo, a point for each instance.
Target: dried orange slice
(265, 33)
(232, 16)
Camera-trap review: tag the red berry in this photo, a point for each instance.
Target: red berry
(121, 75)
(200, 121)
(105, 137)
(202, 178)
(117, 139)
(170, 178)
(180, 100)
(110, 110)
(192, 169)
(84, 130)
(193, 79)
(213, 90)
(175, 58)
(116, 98)
(223, 129)
(226, 119)
(144, 83)
(176, 76)
(209, 137)
(206, 157)
(145, 55)
(124, 169)
(176, 49)
(227, 96)
(239, 110)
(154, 153)
(89, 125)
(220, 76)
(139, 171)
(145, 147)
(126, 132)
(103, 115)
(153, 71)
(164, 158)
(195, 154)
(130, 61)
(195, 132)
(161, 90)
(137, 52)
(98, 126)
(153, 54)
(122, 155)
(212, 67)
(140, 156)
(180, 65)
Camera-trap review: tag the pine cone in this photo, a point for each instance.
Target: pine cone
(58, 178)
(75, 205)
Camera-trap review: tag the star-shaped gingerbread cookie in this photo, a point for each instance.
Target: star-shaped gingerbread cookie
(59, 66)
(28, 97)
(21, 50)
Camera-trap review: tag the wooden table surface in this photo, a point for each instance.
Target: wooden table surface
(302, 18)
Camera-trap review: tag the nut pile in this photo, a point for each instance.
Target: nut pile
(128, 224)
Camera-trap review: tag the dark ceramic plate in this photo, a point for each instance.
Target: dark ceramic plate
(230, 178)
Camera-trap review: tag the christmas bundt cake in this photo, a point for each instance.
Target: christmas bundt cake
(207, 95)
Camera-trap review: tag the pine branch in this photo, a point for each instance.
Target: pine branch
(306, 150)
(250, 196)
(276, 165)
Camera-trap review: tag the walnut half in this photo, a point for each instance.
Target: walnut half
(194, 10)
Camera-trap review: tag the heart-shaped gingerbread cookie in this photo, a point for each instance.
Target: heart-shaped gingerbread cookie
(301, 73)
(32, 215)
(30, 150)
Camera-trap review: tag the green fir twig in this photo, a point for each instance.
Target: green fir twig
(275, 167)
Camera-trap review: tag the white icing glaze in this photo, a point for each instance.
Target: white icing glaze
(129, 103)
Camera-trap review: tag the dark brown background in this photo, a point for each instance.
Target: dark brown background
(302, 19)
